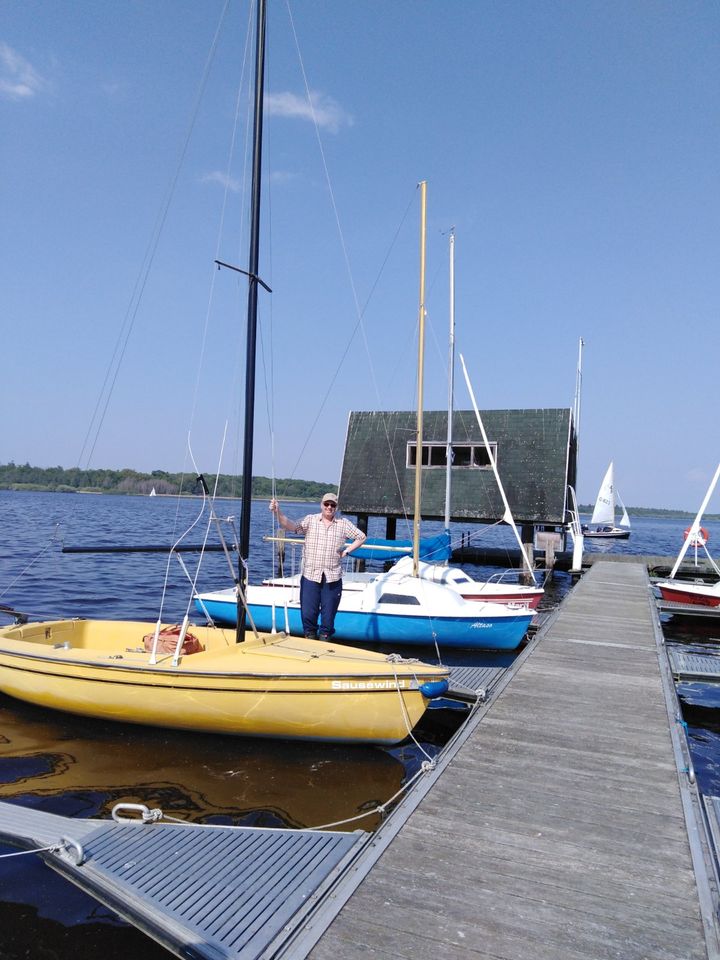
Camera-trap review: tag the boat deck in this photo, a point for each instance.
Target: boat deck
(558, 832)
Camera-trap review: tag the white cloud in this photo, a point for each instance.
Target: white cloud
(18, 78)
(229, 183)
(327, 113)
(282, 176)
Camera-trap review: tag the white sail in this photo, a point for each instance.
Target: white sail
(507, 516)
(625, 519)
(695, 526)
(604, 512)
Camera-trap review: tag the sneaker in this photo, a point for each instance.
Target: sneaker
(311, 636)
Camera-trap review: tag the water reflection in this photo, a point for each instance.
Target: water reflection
(81, 768)
(76, 767)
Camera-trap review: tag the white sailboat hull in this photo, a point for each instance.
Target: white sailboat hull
(611, 533)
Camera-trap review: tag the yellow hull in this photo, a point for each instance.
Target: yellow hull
(268, 686)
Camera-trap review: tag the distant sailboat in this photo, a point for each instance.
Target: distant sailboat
(602, 523)
(152, 492)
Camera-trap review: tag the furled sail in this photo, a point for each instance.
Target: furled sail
(432, 549)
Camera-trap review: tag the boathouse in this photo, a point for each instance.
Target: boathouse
(535, 451)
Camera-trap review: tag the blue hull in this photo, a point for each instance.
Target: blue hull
(482, 633)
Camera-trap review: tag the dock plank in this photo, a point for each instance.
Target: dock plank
(558, 830)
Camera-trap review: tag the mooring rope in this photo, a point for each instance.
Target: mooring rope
(157, 814)
(427, 766)
(55, 848)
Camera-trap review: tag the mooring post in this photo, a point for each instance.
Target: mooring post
(390, 534)
(527, 537)
(362, 524)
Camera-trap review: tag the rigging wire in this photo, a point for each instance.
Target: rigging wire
(221, 224)
(55, 538)
(133, 307)
(359, 311)
(114, 365)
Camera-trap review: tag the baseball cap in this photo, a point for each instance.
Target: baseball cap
(330, 496)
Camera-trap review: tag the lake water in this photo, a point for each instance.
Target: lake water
(79, 767)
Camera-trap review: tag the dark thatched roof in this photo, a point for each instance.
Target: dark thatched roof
(535, 452)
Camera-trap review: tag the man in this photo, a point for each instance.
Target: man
(321, 574)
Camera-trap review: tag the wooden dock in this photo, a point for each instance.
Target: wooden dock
(565, 828)
(561, 822)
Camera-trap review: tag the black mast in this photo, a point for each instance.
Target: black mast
(253, 264)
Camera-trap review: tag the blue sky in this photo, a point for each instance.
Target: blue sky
(573, 146)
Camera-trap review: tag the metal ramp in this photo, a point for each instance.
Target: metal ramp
(479, 679)
(693, 666)
(201, 891)
(688, 609)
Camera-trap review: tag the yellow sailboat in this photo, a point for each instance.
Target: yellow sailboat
(243, 682)
(268, 685)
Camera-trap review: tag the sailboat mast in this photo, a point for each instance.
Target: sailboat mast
(253, 264)
(578, 390)
(421, 365)
(451, 381)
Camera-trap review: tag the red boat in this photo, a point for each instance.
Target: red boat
(694, 592)
(697, 593)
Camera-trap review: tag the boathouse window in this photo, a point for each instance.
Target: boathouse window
(462, 455)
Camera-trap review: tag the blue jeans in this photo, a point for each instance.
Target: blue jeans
(319, 601)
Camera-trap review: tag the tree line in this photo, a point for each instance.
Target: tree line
(76, 480)
(652, 512)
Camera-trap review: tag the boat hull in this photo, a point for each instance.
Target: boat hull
(480, 631)
(267, 687)
(694, 594)
(496, 594)
(615, 534)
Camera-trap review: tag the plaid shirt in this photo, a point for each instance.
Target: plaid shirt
(323, 544)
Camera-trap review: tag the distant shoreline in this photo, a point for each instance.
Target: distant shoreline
(657, 513)
(127, 482)
(19, 488)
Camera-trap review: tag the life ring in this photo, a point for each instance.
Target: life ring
(700, 537)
